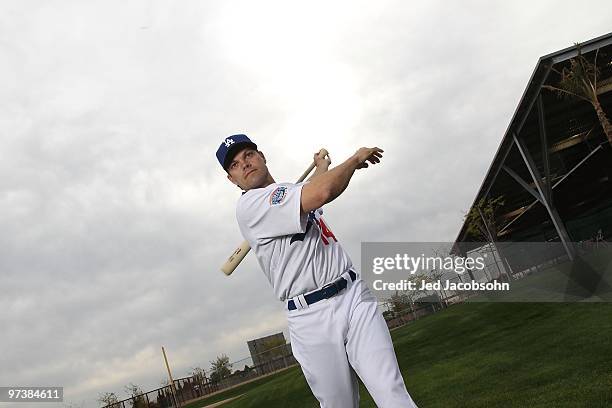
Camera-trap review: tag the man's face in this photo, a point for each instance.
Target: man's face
(248, 169)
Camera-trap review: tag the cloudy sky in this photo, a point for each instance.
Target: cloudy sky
(115, 215)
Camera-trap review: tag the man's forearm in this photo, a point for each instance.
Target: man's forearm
(336, 180)
(318, 171)
(333, 182)
(329, 185)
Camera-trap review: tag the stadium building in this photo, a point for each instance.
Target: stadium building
(551, 177)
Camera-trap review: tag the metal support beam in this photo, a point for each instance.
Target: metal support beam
(580, 163)
(503, 160)
(553, 187)
(552, 211)
(523, 183)
(533, 99)
(492, 239)
(545, 161)
(571, 52)
(485, 223)
(520, 125)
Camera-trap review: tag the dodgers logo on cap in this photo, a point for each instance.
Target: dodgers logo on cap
(232, 145)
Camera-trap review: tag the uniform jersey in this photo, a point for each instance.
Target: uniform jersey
(297, 252)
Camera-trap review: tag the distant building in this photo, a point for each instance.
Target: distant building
(268, 348)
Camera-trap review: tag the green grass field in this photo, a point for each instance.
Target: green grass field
(482, 355)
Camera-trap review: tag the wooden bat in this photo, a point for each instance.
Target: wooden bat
(238, 255)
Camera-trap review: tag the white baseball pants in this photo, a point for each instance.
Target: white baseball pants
(336, 339)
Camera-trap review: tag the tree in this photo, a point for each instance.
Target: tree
(481, 223)
(198, 374)
(579, 80)
(484, 229)
(108, 399)
(400, 301)
(136, 395)
(414, 295)
(436, 275)
(220, 368)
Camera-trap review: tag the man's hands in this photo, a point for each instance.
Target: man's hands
(325, 186)
(361, 156)
(322, 161)
(321, 164)
(367, 154)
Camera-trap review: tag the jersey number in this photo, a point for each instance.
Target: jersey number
(326, 232)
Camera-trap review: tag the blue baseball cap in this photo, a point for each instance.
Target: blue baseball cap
(232, 145)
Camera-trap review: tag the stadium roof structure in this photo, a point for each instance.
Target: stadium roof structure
(553, 167)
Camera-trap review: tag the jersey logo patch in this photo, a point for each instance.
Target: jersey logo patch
(278, 195)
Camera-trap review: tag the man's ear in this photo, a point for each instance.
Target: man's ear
(262, 155)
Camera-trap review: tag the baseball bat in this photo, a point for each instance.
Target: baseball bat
(238, 255)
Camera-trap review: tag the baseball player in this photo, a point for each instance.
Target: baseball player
(335, 327)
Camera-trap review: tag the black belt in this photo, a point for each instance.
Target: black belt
(325, 292)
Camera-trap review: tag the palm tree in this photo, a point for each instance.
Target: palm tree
(220, 368)
(580, 81)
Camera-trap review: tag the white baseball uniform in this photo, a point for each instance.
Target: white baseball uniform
(334, 339)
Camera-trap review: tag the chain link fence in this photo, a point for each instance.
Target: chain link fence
(198, 386)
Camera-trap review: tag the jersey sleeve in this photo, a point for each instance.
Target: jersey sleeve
(271, 212)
